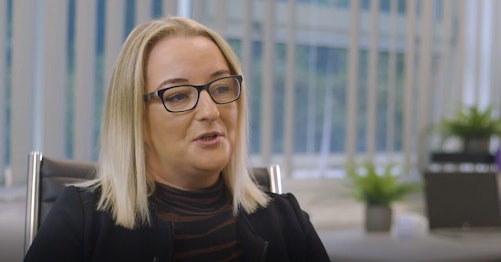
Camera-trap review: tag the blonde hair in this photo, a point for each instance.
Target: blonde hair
(122, 174)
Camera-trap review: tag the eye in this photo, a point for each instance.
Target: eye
(179, 95)
(221, 90)
(176, 97)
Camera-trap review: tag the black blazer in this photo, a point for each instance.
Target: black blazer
(75, 231)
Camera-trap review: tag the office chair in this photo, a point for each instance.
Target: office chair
(47, 178)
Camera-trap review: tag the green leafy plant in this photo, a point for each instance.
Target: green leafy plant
(471, 122)
(375, 188)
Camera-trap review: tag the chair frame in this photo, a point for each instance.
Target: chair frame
(275, 178)
(33, 197)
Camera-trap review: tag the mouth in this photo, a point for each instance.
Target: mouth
(207, 137)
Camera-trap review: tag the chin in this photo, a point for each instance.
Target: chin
(213, 165)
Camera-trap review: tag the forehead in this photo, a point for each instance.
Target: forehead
(184, 48)
(186, 57)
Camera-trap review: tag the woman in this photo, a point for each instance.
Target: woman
(172, 179)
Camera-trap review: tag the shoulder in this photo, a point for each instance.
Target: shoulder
(76, 204)
(284, 203)
(285, 224)
(284, 200)
(73, 203)
(84, 196)
(62, 232)
(283, 209)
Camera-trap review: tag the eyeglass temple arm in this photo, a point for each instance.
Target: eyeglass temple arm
(149, 96)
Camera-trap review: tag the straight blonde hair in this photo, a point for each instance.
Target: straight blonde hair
(122, 180)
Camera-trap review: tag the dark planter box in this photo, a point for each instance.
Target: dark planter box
(476, 158)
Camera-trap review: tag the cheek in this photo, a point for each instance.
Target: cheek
(147, 127)
(150, 124)
(231, 119)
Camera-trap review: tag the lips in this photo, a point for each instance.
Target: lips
(208, 137)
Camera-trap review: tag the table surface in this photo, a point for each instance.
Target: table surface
(357, 245)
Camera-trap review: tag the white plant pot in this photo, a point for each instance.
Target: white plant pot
(476, 145)
(378, 218)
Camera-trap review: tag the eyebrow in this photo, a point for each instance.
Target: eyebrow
(174, 81)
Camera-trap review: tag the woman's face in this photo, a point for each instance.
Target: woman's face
(187, 150)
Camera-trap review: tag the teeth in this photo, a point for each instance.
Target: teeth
(207, 138)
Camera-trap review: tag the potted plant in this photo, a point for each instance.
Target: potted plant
(378, 190)
(473, 126)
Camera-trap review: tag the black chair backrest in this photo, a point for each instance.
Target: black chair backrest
(55, 175)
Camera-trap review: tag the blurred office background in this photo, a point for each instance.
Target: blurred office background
(330, 80)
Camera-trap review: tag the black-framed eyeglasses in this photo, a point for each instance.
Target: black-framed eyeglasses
(183, 98)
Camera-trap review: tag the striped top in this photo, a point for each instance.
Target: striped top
(204, 225)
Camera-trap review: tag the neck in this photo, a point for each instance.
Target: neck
(187, 182)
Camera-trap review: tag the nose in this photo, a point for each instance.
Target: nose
(206, 108)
